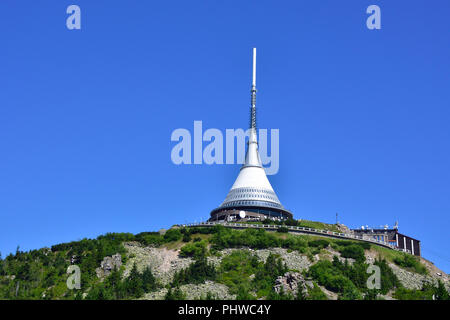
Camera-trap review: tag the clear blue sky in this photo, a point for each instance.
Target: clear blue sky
(86, 116)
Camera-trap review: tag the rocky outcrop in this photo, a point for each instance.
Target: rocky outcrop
(108, 265)
(291, 282)
(163, 262)
(411, 280)
(343, 228)
(293, 259)
(196, 291)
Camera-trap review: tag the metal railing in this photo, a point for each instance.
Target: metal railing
(299, 230)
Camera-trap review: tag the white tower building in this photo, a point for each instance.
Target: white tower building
(252, 195)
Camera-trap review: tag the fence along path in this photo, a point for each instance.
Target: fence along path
(302, 230)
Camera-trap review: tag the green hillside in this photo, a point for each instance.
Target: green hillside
(215, 256)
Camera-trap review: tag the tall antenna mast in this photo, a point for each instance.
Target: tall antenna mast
(253, 91)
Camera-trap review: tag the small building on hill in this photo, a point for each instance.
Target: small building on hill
(391, 236)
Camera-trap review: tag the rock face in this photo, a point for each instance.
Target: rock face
(343, 228)
(109, 264)
(291, 282)
(163, 262)
(411, 280)
(195, 292)
(293, 259)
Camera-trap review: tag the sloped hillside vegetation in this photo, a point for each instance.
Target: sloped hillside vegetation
(214, 262)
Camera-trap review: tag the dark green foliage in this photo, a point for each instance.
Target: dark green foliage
(243, 273)
(350, 281)
(300, 295)
(41, 274)
(236, 268)
(253, 238)
(371, 294)
(198, 272)
(428, 292)
(316, 293)
(133, 284)
(244, 294)
(265, 277)
(320, 243)
(345, 243)
(196, 249)
(410, 262)
(186, 237)
(172, 235)
(273, 295)
(283, 229)
(132, 287)
(334, 276)
(440, 292)
(291, 222)
(148, 280)
(150, 238)
(175, 294)
(353, 251)
(388, 279)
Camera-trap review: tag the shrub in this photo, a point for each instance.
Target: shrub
(197, 272)
(410, 262)
(172, 235)
(335, 276)
(186, 237)
(175, 294)
(353, 251)
(320, 243)
(196, 249)
(388, 278)
(316, 293)
(283, 230)
(150, 238)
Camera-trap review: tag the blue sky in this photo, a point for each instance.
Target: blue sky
(86, 115)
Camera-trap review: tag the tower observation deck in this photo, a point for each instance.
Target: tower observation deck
(251, 197)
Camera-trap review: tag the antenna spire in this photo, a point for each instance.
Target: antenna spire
(253, 92)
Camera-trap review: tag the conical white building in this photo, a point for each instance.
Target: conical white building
(251, 197)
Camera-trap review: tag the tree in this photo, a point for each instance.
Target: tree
(243, 294)
(176, 294)
(133, 283)
(148, 280)
(300, 294)
(441, 293)
(186, 237)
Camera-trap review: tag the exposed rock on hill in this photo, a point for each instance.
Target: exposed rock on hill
(109, 264)
(163, 262)
(291, 282)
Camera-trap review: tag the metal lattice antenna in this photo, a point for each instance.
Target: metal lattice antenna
(253, 91)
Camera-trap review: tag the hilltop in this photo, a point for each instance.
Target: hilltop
(219, 263)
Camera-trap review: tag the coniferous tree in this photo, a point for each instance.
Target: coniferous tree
(134, 284)
(148, 280)
(175, 294)
(441, 292)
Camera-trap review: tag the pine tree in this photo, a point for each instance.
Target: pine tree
(148, 280)
(176, 294)
(133, 283)
(300, 294)
(441, 292)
